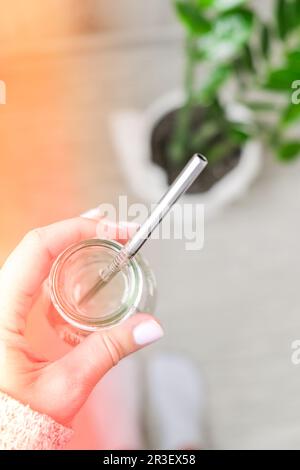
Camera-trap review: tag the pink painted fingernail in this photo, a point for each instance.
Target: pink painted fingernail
(147, 332)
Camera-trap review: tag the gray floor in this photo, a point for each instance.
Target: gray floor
(233, 307)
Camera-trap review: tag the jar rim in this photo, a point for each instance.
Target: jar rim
(74, 318)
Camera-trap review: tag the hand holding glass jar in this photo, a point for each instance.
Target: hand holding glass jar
(60, 388)
(78, 268)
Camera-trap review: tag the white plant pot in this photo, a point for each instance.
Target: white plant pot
(131, 136)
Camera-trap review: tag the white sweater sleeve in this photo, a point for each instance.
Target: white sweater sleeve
(22, 428)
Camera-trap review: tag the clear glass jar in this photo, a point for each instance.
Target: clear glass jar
(77, 269)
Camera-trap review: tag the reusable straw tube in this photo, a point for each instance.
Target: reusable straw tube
(183, 181)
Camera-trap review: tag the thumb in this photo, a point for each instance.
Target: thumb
(90, 360)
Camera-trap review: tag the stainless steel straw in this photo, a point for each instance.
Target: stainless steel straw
(183, 181)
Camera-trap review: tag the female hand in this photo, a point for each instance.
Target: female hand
(58, 388)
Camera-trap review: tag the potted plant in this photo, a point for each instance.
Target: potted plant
(245, 100)
(272, 80)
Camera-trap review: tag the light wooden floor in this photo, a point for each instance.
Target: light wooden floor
(234, 307)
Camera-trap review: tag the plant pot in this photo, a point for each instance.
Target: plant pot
(131, 132)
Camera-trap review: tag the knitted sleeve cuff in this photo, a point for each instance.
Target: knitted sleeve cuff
(22, 428)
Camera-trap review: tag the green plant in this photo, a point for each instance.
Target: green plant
(260, 58)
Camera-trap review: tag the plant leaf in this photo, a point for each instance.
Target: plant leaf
(281, 18)
(291, 114)
(219, 150)
(289, 150)
(230, 32)
(297, 9)
(207, 131)
(292, 14)
(282, 79)
(216, 79)
(248, 58)
(287, 13)
(265, 41)
(293, 60)
(260, 106)
(191, 17)
(239, 133)
(205, 3)
(221, 5)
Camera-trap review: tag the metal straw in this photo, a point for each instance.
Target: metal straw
(183, 181)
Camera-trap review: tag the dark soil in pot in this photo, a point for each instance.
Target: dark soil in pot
(214, 172)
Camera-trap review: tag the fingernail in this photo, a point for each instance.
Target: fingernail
(147, 332)
(94, 213)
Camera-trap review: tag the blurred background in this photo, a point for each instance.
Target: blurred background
(70, 67)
